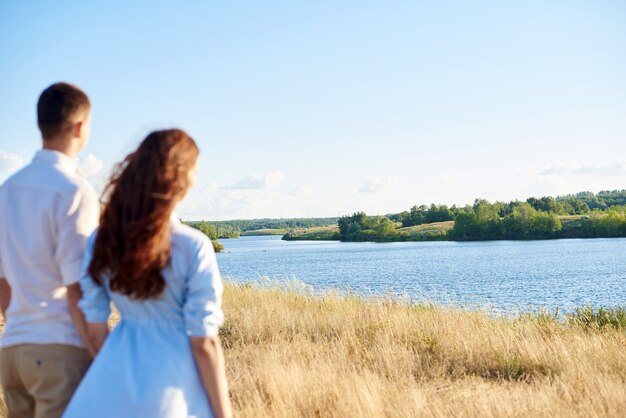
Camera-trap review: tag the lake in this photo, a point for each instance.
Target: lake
(504, 275)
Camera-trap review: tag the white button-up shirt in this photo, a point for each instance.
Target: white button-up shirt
(47, 211)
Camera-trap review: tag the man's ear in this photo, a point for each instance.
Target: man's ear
(76, 129)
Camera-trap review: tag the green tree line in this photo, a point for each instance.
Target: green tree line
(599, 215)
(237, 226)
(216, 230)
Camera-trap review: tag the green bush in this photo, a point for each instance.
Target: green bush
(217, 246)
(599, 319)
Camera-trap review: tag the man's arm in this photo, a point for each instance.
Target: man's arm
(5, 296)
(77, 217)
(73, 297)
(97, 333)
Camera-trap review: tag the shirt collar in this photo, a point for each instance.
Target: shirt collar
(57, 158)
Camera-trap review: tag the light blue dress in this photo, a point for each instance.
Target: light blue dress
(145, 367)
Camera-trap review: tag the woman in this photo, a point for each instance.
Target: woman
(164, 358)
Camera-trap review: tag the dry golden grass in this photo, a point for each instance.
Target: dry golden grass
(294, 355)
(291, 354)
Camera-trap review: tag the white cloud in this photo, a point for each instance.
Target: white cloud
(259, 181)
(301, 191)
(10, 162)
(379, 184)
(616, 168)
(209, 190)
(91, 166)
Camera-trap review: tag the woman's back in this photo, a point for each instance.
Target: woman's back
(192, 280)
(164, 358)
(146, 366)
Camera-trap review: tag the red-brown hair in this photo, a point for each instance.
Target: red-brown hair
(133, 242)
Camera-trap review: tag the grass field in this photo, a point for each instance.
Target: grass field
(290, 354)
(321, 233)
(295, 355)
(571, 223)
(266, 231)
(432, 228)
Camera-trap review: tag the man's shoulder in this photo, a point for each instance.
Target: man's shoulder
(48, 179)
(67, 182)
(79, 184)
(17, 177)
(45, 176)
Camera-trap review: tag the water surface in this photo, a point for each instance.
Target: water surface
(506, 275)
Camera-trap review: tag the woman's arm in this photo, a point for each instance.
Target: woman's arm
(73, 297)
(207, 351)
(94, 303)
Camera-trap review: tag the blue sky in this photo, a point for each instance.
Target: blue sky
(327, 107)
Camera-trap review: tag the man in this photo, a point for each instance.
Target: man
(47, 211)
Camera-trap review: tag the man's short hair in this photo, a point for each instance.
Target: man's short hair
(58, 107)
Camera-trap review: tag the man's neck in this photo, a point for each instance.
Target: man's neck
(60, 145)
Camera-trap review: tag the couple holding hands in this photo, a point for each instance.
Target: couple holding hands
(64, 258)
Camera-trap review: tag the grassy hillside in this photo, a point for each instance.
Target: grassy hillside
(264, 231)
(322, 233)
(572, 224)
(426, 229)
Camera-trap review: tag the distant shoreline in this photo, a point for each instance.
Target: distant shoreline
(572, 228)
(583, 215)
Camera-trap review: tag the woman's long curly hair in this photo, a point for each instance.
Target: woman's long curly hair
(133, 242)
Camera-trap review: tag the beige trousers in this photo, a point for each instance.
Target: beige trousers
(39, 380)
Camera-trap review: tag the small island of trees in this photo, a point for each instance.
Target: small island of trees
(584, 215)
